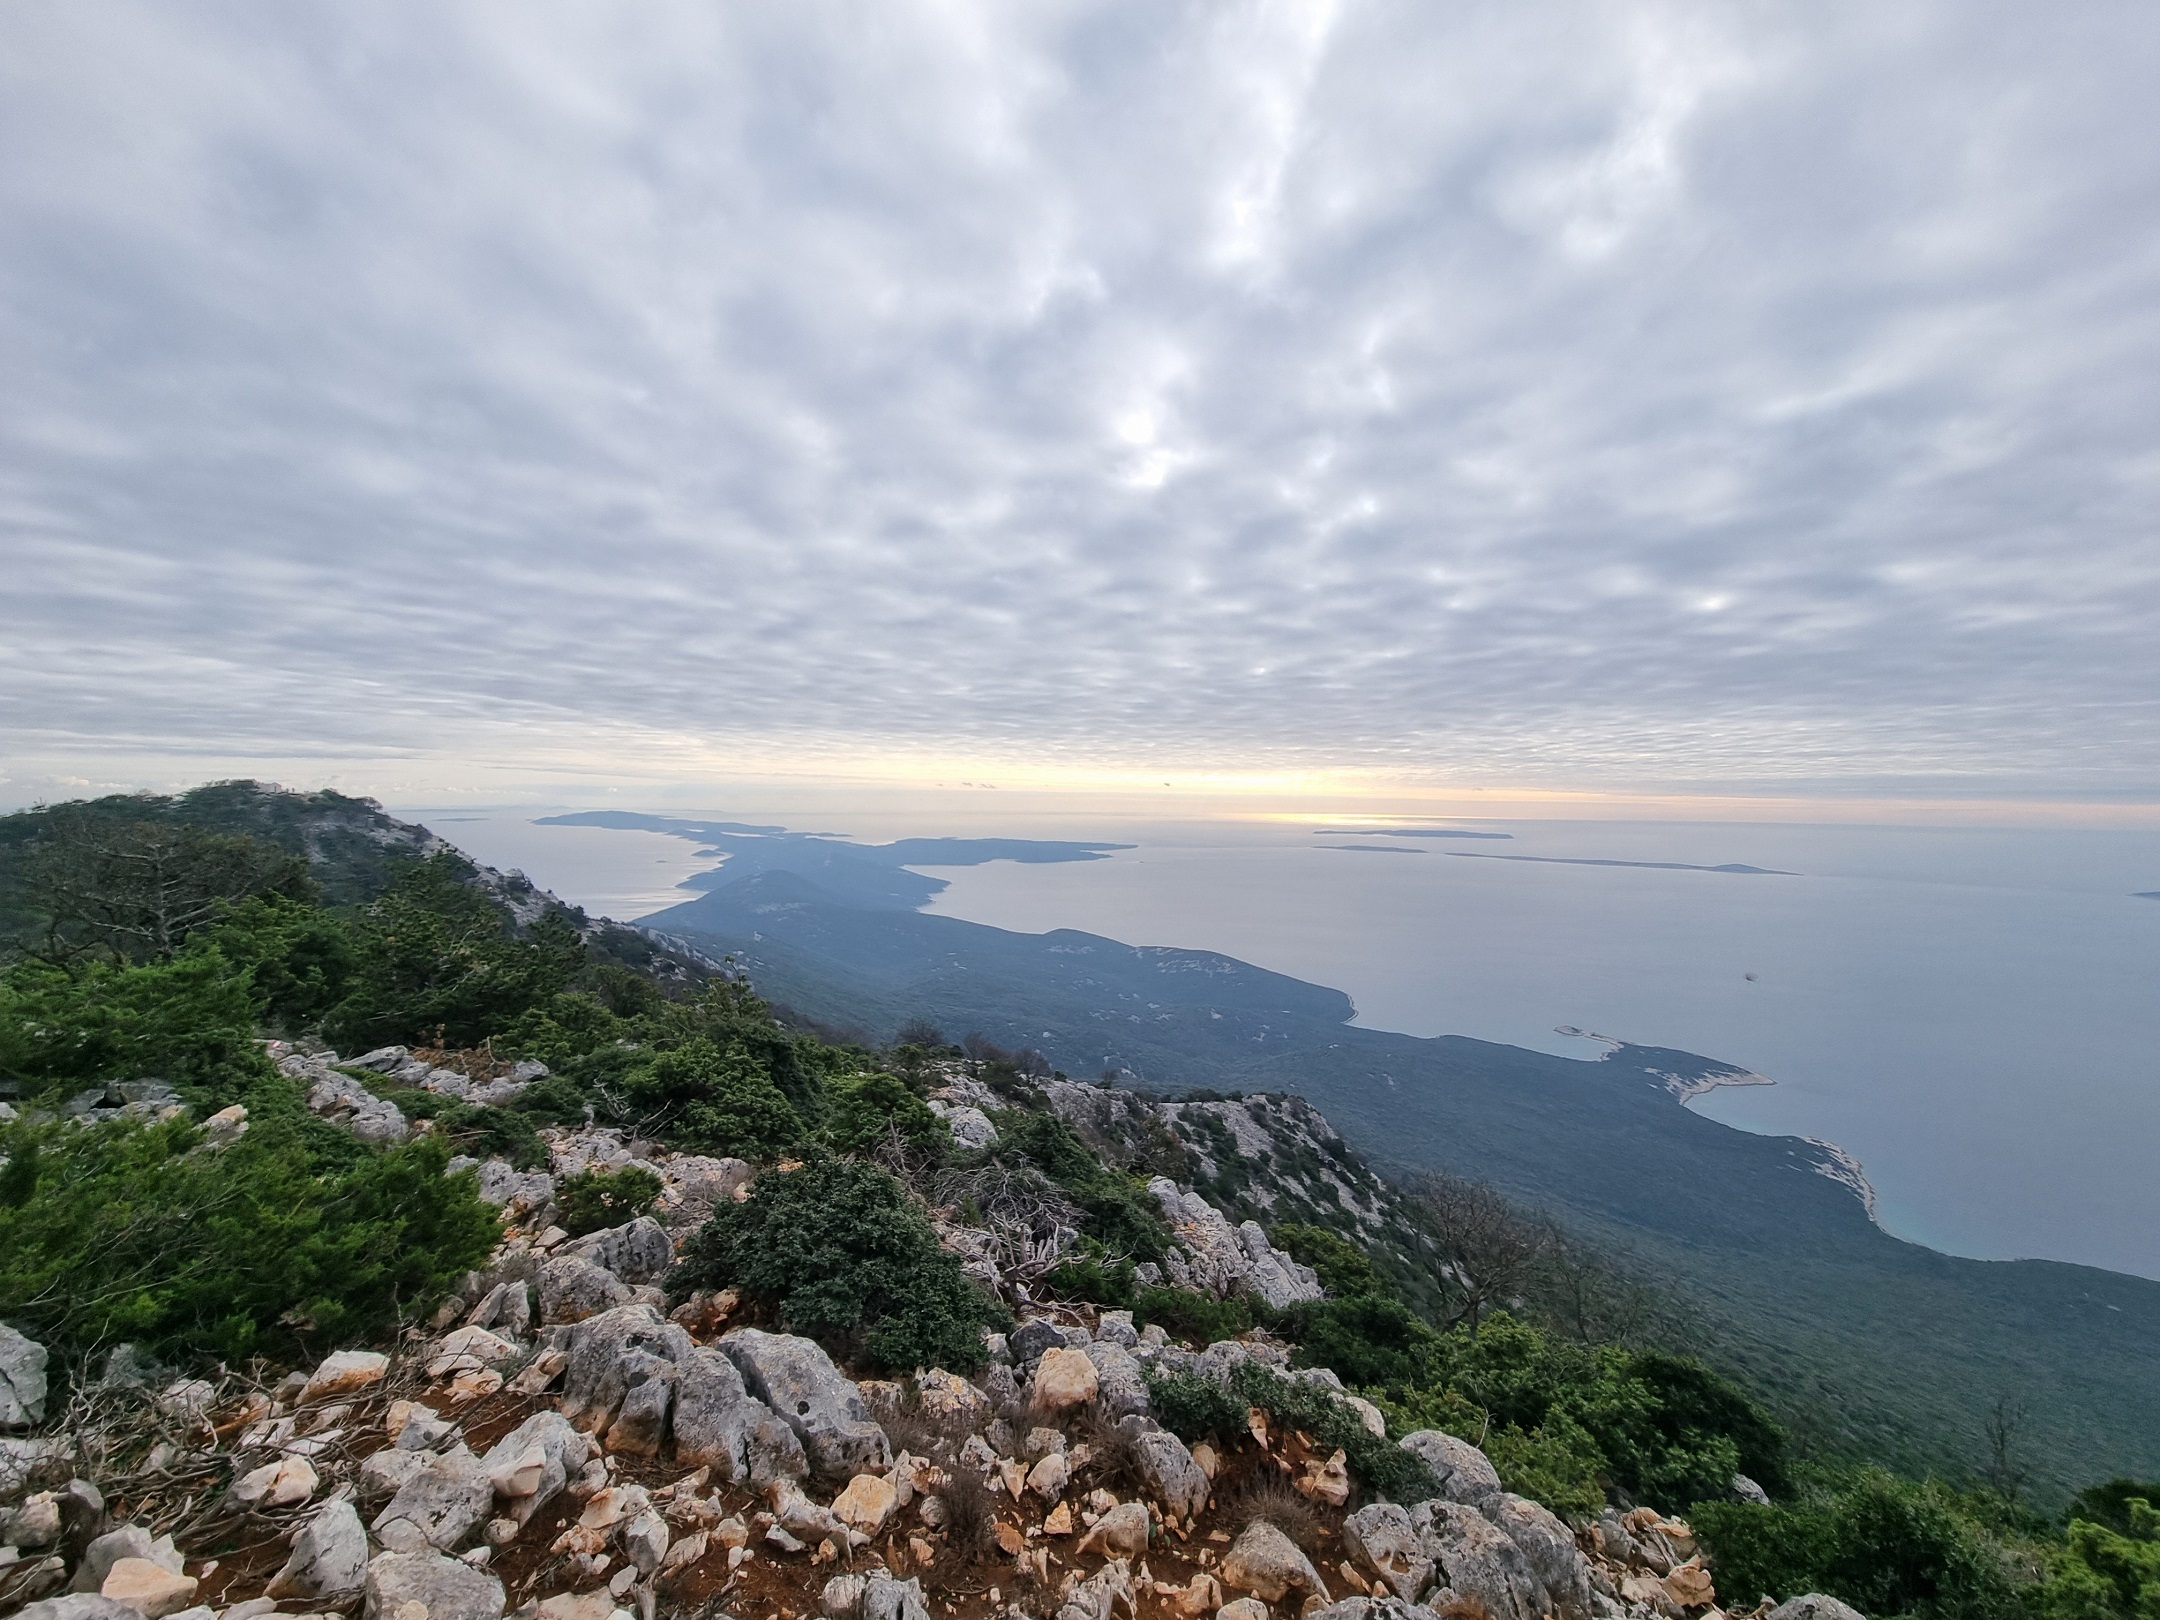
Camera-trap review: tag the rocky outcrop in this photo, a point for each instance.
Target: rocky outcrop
(572, 1288)
(1474, 1562)
(444, 1588)
(970, 1126)
(328, 1560)
(1463, 1472)
(638, 1252)
(1217, 1258)
(721, 1426)
(440, 1503)
(22, 1379)
(798, 1380)
(1169, 1472)
(1268, 1564)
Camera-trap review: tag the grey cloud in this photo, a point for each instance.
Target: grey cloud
(1586, 393)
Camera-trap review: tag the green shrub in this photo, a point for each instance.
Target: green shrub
(593, 1200)
(1194, 1408)
(838, 1249)
(1346, 1271)
(1193, 1317)
(1886, 1546)
(868, 1108)
(290, 1241)
(189, 1019)
(1197, 1408)
(1088, 1277)
(2105, 1574)
(1365, 1339)
(1667, 1431)
(709, 1099)
(436, 959)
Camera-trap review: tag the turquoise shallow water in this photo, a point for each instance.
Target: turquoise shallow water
(1969, 1013)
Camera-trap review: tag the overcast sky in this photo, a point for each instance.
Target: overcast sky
(1585, 395)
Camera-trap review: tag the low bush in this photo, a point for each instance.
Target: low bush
(593, 1200)
(1198, 1408)
(290, 1241)
(838, 1250)
(1194, 1317)
(1091, 1278)
(706, 1098)
(1366, 1339)
(1888, 1547)
(869, 1109)
(1346, 1271)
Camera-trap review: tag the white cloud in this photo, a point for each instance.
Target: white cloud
(1572, 392)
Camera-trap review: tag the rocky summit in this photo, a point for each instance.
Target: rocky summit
(564, 1442)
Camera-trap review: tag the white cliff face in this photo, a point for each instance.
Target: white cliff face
(1217, 1258)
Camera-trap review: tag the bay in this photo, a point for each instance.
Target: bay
(1967, 1011)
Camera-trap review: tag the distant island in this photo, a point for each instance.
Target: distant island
(1584, 860)
(2147, 894)
(1374, 849)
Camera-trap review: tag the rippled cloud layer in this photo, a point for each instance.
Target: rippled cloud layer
(1568, 393)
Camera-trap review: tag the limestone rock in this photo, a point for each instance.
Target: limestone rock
(645, 1542)
(468, 1349)
(527, 1467)
(696, 1186)
(1327, 1479)
(1270, 1565)
(1121, 1385)
(443, 1501)
(1386, 1548)
(22, 1379)
(1120, 1533)
(447, 1588)
(1474, 1562)
(1034, 1336)
(970, 1126)
(573, 1289)
(1064, 1377)
(947, 1397)
(639, 1251)
(1049, 1477)
(1170, 1472)
(1116, 1327)
(513, 1191)
(346, 1373)
(148, 1587)
(867, 1504)
(277, 1484)
(1101, 1594)
(1812, 1606)
(122, 1541)
(384, 1473)
(719, 1424)
(1464, 1473)
(611, 1353)
(1549, 1548)
(798, 1381)
(1249, 1609)
(35, 1523)
(78, 1606)
(329, 1559)
(1218, 1258)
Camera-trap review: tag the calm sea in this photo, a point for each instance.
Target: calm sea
(1968, 1012)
